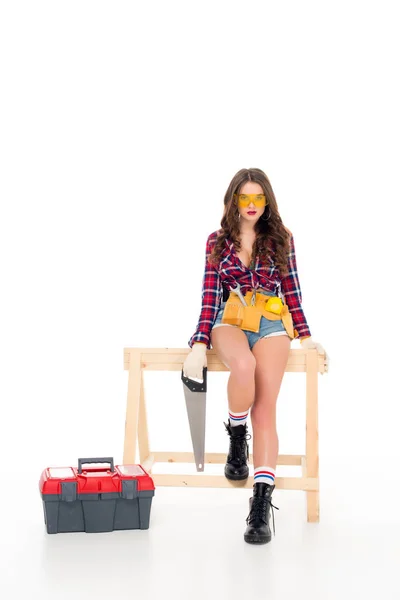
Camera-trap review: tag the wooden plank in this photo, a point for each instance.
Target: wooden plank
(143, 431)
(211, 368)
(312, 457)
(217, 458)
(148, 463)
(132, 407)
(220, 481)
(172, 359)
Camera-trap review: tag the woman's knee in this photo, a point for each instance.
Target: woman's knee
(243, 365)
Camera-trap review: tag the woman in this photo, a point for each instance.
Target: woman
(255, 250)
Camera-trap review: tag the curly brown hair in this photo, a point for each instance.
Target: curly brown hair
(271, 235)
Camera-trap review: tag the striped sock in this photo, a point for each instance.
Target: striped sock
(239, 418)
(264, 475)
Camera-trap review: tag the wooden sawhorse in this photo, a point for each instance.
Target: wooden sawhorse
(136, 360)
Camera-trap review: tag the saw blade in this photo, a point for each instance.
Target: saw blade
(195, 397)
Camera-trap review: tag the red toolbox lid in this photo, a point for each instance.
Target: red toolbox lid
(95, 479)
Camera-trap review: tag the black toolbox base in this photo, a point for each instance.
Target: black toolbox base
(97, 515)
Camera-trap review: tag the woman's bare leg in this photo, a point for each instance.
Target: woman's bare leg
(271, 355)
(232, 348)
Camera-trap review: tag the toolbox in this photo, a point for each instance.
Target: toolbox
(97, 496)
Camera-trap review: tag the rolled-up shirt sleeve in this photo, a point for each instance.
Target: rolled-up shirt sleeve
(290, 285)
(210, 302)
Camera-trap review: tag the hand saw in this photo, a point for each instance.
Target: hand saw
(195, 396)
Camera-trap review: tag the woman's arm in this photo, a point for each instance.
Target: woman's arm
(292, 292)
(210, 302)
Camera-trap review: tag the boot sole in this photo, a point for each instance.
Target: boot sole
(237, 477)
(259, 539)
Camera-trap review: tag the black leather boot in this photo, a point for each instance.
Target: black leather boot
(258, 530)
(236, 466)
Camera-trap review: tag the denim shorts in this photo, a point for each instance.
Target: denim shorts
(267, 328)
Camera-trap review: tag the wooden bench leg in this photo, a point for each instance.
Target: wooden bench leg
(132, 407)
(143, 431)
(312, 457)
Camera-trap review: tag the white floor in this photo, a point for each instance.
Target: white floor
(194, 547)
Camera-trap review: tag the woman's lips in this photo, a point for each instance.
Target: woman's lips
(251, 212)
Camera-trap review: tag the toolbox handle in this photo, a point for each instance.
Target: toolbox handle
(85, 461)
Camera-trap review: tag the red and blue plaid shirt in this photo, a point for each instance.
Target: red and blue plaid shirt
(231, 271)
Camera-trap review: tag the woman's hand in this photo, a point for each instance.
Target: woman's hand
(308, 343)
(195, 361)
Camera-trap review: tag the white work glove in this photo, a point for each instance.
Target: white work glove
(195, 361)
(308, 343)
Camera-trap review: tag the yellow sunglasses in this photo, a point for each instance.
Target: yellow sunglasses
(243, 200)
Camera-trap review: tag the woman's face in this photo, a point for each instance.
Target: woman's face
(256, 207)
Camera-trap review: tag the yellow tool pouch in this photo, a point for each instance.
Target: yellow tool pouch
(233, 312)
(249, 317)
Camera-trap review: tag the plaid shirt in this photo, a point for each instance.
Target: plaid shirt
(231, 271)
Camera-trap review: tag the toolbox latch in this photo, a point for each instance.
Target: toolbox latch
(68, 491)
(129, 489)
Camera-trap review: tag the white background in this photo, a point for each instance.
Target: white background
(122, 125)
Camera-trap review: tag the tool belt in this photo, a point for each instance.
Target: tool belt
(249, 317)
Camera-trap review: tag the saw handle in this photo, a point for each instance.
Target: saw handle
(196, 386)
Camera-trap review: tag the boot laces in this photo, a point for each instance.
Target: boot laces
(259, 508)
(239, 448)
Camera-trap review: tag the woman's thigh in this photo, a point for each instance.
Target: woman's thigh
(271, 356)
(232, 347)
